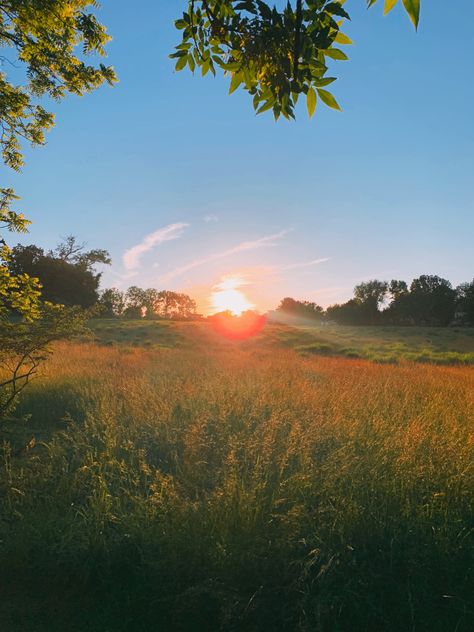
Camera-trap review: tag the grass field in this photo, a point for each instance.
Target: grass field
(181, 481)
(435, 345)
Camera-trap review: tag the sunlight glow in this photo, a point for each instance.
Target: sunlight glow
(226, 297)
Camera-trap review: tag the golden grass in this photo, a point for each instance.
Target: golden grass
(239, 487)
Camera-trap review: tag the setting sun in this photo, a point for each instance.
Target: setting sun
(226, 297)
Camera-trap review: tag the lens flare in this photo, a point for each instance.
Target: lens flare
(237, 327)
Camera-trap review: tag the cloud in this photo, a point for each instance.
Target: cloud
(268, 240)
(131, 257)
(210, 218)
(305, 264)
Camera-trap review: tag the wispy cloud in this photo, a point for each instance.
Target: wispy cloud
(268, 240)
(304, 264)
(210, 218)
(131, 257)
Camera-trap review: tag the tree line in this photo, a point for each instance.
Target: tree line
(150, 304)
(68, 276)
(428, 301)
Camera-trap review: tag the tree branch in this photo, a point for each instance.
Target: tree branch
(296, 50)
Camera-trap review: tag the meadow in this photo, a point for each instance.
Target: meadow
(160, 477)
(434, 345)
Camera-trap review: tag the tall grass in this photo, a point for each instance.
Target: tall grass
(236, 488)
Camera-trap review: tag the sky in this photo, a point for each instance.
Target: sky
(189, 190)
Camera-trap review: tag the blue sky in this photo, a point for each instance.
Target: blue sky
(307, 208)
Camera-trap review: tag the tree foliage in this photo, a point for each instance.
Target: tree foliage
(25, 344)
(111, 303)
(429, 300)
(46, 44)
(276, 55)
(433, 300)
(71, 251)
(151, 303)
(40, 41)
(291, 309)
(50, 40)
(353, 312)
(465, 305)
(35, 287)
(66, 274)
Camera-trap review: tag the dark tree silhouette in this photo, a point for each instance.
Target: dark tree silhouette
(67, 274)
(465, 304)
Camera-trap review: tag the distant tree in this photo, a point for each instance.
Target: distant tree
(67, 274)
(186, 307)
(275, 54)
(432, 300)
(135, 302)
(465, 301)
(72, 251)
(111, 303)
(353, 312)
(396, 289)
(176, 305)
(300, 310)
(371, 292)
(168, 303)
(152, 303)
(371, 295)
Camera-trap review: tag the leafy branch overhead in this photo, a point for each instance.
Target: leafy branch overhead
(48, 44)
(43, 38)
(275, 55)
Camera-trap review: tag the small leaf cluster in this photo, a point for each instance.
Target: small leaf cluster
(275, 55)
(19, 293)
(26, 343)
(11, 220)
(44, 35)
(412, 7)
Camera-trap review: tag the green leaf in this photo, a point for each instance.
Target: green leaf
(342, 38)
(327, 98)
(311, 99)
(182, 61)
(413, 9)
(336, 9)
(266, 106)
(177, 54)
(389, 4)
(324, 81)
(336, 53)
(235, 82)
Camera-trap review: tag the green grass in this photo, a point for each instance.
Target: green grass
(140, 333)
(436, 345)
(196, 483)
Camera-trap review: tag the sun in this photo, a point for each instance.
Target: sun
(226, 297)
(230, 300)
